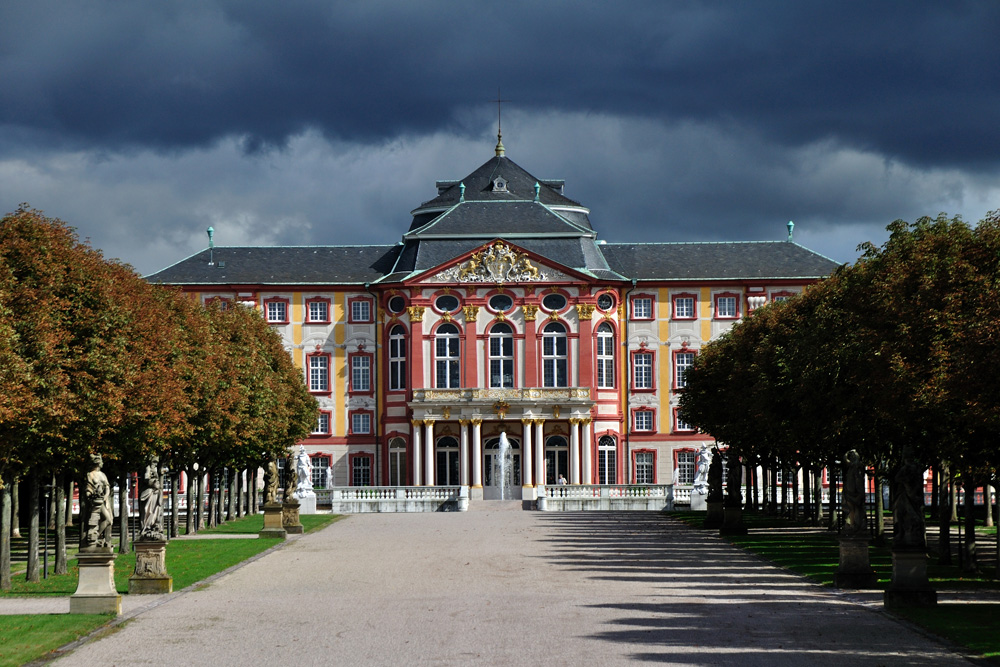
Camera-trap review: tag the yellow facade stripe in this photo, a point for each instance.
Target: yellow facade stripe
(705, 314)
(663, 312)
(297, 317)
(338, 374)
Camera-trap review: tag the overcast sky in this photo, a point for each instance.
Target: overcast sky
(317, 122)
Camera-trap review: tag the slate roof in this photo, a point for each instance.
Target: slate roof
(723, 261)
(490, 219)
(479, 187)
(298, 265)
(446, 227)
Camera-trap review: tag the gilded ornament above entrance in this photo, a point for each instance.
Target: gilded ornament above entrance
(498, 264)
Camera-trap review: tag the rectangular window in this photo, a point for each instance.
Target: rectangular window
(643, 420)
(361, 373)
(318, 311)
(726, 307)
(361, 423)
(361, 310)
(642, 308)
(642, 370)
(684, 308)
(320, 471)
(322, 424)
(682, 362)
(277, 312)
(645, 472)
(397, 359)
(685, 468)
(605, 358)
(681, 425)
(361, 470)
(319, 373)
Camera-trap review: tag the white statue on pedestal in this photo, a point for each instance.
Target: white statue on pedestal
(701, 479)
(303, 468)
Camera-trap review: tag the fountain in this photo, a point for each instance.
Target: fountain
(502, 467)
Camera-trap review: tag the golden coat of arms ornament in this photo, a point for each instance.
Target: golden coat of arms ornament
(498, 264)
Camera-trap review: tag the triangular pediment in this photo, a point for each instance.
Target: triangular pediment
(500, 262)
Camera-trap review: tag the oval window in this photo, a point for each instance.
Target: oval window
(605, 302)
(554, 302)
(501, 302)
(397, 304)
(447, 303)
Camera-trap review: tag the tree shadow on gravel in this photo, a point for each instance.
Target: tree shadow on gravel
(709, 603)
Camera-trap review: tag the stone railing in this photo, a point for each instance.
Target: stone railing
(362, 499)
(606, 497)
(527, 395)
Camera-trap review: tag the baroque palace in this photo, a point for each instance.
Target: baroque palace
(500, 311)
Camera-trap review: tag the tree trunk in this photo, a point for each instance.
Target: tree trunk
(175, 511)
(15, 511)
(935, 491)
(240, 486)
(5, 516)
(231, 511)
(756, 486)
(795, 495)
(123, 514)
(879, 507)
(944, 515)
(60, 496)
(988, 504)
(818, 495)
(954, 499)
(213, 503)
(200, 509)
(34, 508)
(69, 502)
(970, 526)
(254, 504)
(189, 528)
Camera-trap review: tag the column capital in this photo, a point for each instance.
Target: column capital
(416, 422)
(471, 313)
(464, 422)
(585, 311)
(476, 421)
(530, 312)
(538, 422)
(526, 421)
(416, 313)
(428, 422)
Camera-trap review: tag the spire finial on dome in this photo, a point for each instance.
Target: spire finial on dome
(499, 148)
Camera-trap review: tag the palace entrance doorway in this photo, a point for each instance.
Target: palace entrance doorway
(493, 482)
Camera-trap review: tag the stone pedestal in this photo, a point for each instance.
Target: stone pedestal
(909, 587)
(855, 569)
(96, 592)
(307, 503)
(715, 514)
(150, 569)
(732, 522)
(290, 518)
(272, 521)
(463, 499)
(699, 503)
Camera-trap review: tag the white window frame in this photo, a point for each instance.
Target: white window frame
(361, 423)
(447, 365)
(555, 363)
(319, 373)
(361, 373)
(605, 357)
(642, 308)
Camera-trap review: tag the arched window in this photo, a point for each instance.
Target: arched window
(501, 356)
(555, 366)
(397, 462)
(556, 459)
(605, 357)
(446, 470)
(446, 357)
(607, 459)
(397, 358)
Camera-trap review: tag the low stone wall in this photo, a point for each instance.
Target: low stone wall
(364, 499)
(607, 498)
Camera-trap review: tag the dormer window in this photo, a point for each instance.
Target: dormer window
(499, 184)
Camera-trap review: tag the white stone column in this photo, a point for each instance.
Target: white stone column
(588, 473)
(477, 453)
(415, 433)
(526, 452)
(429, 453)
(539, 452)
(463, 452)
(574, 451)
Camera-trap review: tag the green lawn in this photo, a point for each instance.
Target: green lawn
(28, 637)
(814, 553)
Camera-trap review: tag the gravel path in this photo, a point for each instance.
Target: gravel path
(499, 586)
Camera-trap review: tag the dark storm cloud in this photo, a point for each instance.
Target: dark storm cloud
(911, 80)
